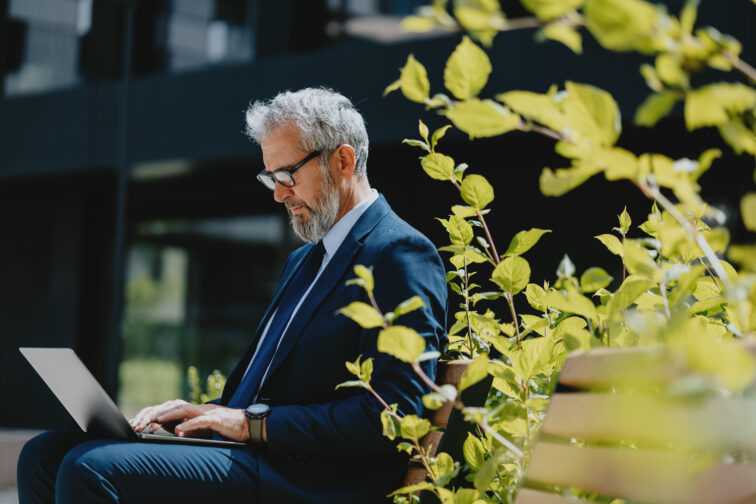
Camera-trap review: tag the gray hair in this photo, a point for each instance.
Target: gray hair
(325, 119)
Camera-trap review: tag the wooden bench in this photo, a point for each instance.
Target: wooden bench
(655, 449)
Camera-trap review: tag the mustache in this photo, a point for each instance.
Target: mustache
(292, 203)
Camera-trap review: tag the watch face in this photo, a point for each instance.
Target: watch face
(258, 409)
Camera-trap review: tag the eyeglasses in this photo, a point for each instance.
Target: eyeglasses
(284, 176)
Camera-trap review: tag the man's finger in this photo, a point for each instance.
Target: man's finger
(196, 423)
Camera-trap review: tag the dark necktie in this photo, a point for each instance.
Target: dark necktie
(251, 382)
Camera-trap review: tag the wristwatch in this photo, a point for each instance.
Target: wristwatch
(255, 414)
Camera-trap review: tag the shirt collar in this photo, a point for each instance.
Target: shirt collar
(336, 235)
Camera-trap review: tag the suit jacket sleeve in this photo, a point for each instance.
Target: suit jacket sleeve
(351, 426)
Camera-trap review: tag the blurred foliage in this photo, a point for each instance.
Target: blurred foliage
(676, 290)
(213, 386)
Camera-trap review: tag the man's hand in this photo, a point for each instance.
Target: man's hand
(194, 419)
(143, 419)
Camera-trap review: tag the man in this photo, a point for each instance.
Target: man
(306, 441)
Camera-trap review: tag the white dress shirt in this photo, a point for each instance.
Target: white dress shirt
(331, 242)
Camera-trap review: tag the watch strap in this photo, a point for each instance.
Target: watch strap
(255, 429)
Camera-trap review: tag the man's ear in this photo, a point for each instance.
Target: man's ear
(345, 160)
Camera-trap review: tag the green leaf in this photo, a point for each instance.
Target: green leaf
(351, 383)
(411, 489)
(389, 423)
(656, 106)
(626, 295)
(438, 166)
(438, 135)
(535, 357)
(536, 297)
(402, 342)
(712, 104)
(570, 325)
(612, 243)
(467, 70)
(414, 81)
(748, 211)
(362, 313)
(364, 278)
(524, 241)
(563, 33)
(423, 130)
(594, 279)
(638, 261)
(550, 9)
(460, 231)
(477, 192)
(512, 274)
(622, 25)
(474, 451)
(669, 68)
(563, 180)
(406, 447)
(392, 87)
(572, 302)
(482, 118)
(738, 136)
(463, 211)
(592, 115)
(541, 108)
(625, 221)
(433, 401)
(417, 143)
(414, 428)
(688, 16)
(475, 371)
(409, 305)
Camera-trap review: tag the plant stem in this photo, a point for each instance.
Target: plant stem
(535, 128)
(501, 439)
(740, 65)
(656, 194)
(712, 275)
(510, 302)
(497, 260)
(374, 303)
(467, 312)
(663, 290)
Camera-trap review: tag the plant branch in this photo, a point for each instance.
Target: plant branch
(501, 439)
(663, 290)
(655, 193)
(510, 302)
(497, 260)
(740, 65)
(542, 130)
(467, 311)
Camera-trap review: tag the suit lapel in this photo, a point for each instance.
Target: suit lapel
(238, 372)
(330, 278)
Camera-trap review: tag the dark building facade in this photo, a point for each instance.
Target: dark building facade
(132, 224)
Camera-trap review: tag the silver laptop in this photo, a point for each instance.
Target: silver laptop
(86, 401)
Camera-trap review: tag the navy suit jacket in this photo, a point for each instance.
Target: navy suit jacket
(326, 445)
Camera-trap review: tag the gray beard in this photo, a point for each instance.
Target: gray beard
(322, 214)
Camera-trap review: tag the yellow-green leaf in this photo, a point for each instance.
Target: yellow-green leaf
(625, 221)
(482, 118)
(423, 130)
(414, 427)
(594, 279)
(512, 274)
(612, 243)
(541, 108)
(710, 105)
(438, 135)
(738, 136)
(670, 71)
(418, 23)
(364, 278)
(563, 180)
(475, 371)
(622, 25)
(474, 451)
(572, 302)
(467, 70)
(438, 166)
(592, 115)
(414, 80)
(524, 241)
(402, 342)
(460, 231)
(477, 192)
(550, 9)
(748, 211)
(409, 305)
(362, 313)
(563, 33)
(656, 106)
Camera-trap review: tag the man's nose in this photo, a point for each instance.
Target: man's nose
(281, 193)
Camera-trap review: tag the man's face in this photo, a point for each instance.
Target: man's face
(313, 202)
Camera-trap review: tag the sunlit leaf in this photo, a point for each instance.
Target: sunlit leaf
(402, 342)
(475, 371)
(622, 25)
(482, 118)
(524, 241)
(362, 313)
(414, 80)
(541, 108)
(512, 274)
(438, 166)
(594, 279)
(563, 33)
(414, 428)
(477, 192)
(572, 301)
(656, 106)
(592, 114)
(612, 243)
(550, 9)
(364, 278)
(467, 70)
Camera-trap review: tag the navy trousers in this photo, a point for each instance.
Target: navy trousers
(71, 466)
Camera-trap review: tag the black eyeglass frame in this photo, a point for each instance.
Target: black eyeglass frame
(269, 179)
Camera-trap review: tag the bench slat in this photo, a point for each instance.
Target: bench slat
(659, 477)
(714, 423)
